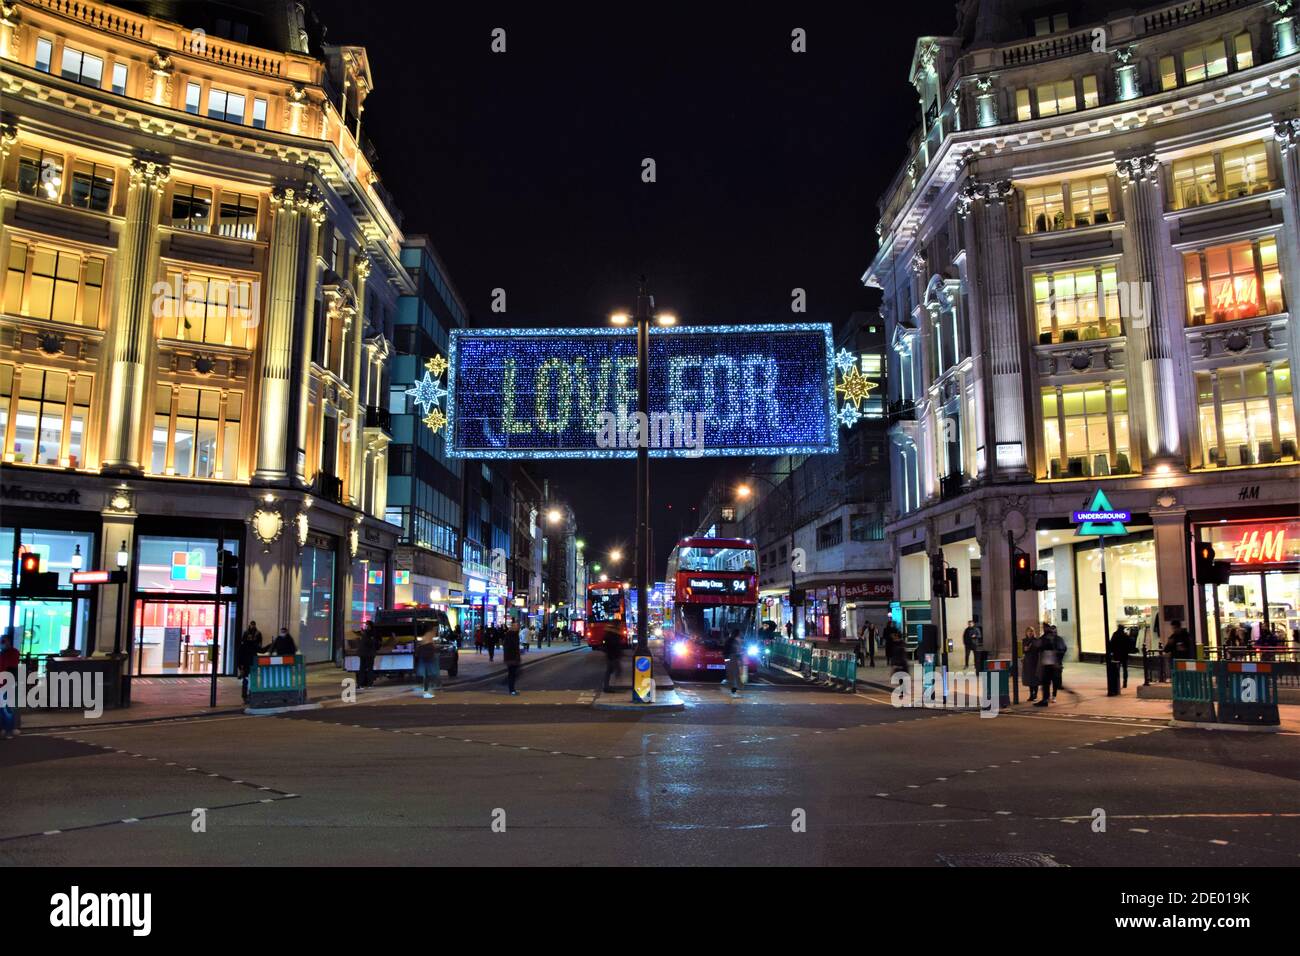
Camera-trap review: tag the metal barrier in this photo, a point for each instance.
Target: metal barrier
(999, 679)
(277, 681)
(1247, 693)
(818, 664)
(1156, 666)
(1193, 691)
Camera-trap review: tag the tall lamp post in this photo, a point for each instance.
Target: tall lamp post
(644, 308)
(743, 491)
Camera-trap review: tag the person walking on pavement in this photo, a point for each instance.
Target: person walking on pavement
(367, 647)
(491, 640)
(1030, 666)
(526, 634)
(9, 661)
(894, 646)
(478, 639)
(1179, 645)
(613, 649)
(1049, 663)
(731, 651)
(1058, 645)
(1118, 648)
(510, 654)
(246, 651)
(428, 663)
(970, 640)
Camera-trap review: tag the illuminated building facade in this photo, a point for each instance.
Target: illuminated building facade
(1088, 262)
(201, 273)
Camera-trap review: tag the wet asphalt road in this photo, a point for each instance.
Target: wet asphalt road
(399, 779)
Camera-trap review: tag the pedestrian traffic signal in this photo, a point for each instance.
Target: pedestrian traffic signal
(228, 569)
(1022, 578)
(1040, 581)
(938, 583)
(950, 577)
(32, 581)
(1208, 570)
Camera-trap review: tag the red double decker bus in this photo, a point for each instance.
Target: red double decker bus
(607, 609)
(715, 593)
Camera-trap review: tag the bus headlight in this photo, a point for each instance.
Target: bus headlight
(753, 650)
(681, 648)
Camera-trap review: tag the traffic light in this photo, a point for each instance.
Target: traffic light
(1204, 563)
(950, 576)
(938, 582)
(32, 581)
(1022, 578)
(228, 569)
(1040, 581)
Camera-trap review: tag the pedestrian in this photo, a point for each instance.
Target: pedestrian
(970, 642)
(428, 663)
(1048, 664)
(478, 639)
(526, 634)
(789, 630)
(283, 645)
(613, 649)
(1118, 649)
(246, 650)
(871, 643)
(9, 660)
(1179, 646)
(367, 647)
(895, 647)
(860, 648)
(731, 653)
(1030, 666)
(1059, 646)
(510, 654)
(491, 638)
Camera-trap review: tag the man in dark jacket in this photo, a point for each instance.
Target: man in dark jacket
(510, 654)
(1180, 645)
(1118, 648)
(613, 649)
(246, 651)
(492, 637)
(970, 640)
(367, 646)
(893, 644)
(283, 645)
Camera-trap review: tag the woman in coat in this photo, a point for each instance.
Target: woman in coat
(1029, 667)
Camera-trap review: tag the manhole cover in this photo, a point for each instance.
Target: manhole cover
(998, 859)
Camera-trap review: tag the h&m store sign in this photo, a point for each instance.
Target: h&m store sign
(1263, 542)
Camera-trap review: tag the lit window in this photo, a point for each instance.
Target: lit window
(1045, 208)
(1236, 281)
(192, 93)
(259, 114)
(1245, 55)
(1090, 95)
(238, 216)
(1078, 422)
(92, 186)
(1090, 201)
(1168, 73)
(40, 173)
(1236, 422)
(62, 286)
(217, 310)
(1023, 110)
(1204, 62)
(119, 79)
(1054, 98)
(1077, 305)
(201, 438)
(1226, 174)
(191, 207)
(226, 106)
(44, 52)
(82, 67)
(38, 431)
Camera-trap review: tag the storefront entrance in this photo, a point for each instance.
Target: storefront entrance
(1261, 602)
(175, 636)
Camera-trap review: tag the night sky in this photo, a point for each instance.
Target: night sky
(525, 170)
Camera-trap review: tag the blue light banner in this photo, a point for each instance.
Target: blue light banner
(571, 393)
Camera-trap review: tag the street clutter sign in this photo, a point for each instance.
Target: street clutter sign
(571, 393)
(1100, 518)
(643, 682)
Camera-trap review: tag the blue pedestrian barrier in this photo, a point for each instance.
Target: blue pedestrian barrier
(277, 681)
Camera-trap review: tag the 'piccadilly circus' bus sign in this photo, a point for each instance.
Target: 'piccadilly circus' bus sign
(571, 393)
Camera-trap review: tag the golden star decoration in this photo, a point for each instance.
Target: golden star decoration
(855, 387)
(436, 365)
(435, 419)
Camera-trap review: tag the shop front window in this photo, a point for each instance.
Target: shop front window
(1240, 280)
(1132, 593)
(316, 604)
(174, 626)
(368, 583)
(1236, 415)
(41, 626)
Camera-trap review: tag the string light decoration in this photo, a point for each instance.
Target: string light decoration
(436, 366)
(845, 360)
(428, 393)
(435, 420)
(571, 393)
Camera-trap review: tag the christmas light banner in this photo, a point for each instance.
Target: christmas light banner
(571, 393)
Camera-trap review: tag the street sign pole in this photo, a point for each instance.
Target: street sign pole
(1015, 658)
(642, 666)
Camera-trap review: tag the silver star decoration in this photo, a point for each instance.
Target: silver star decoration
(427, 393)
(845, 360)
(850, 416)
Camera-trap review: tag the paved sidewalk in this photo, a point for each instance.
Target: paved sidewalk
(170, 698)
(1083, 693)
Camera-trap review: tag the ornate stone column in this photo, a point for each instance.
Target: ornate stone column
(315, 212)
(289, 206)
(991, 224)
(357, 427)
(1287, 134)
(132, 335)
(1146, 307)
